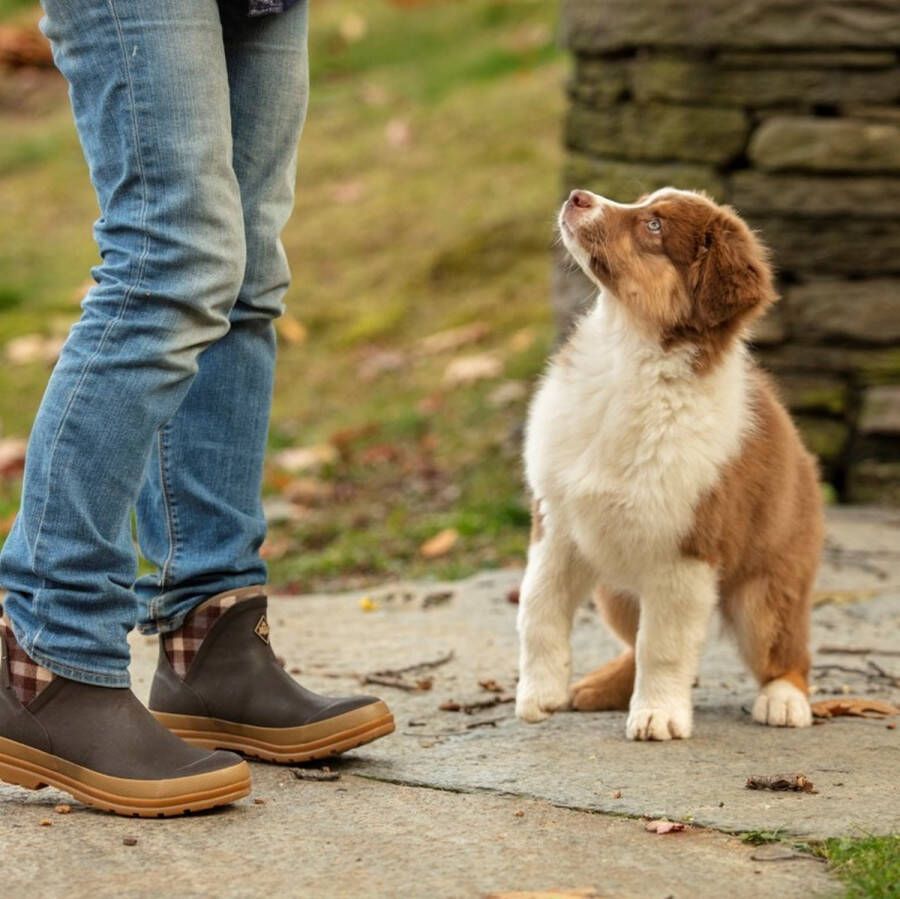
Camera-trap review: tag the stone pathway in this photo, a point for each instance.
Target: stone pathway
(465, 804)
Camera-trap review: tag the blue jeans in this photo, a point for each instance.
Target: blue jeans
(189, 117)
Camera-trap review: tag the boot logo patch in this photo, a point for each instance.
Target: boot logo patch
(262, 629)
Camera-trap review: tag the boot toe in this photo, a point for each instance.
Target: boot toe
(219, 760)
(341, 706)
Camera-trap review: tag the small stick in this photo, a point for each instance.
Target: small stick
(857, 651)
(418, 666)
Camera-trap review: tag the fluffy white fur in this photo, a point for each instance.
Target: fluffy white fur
(622, 440)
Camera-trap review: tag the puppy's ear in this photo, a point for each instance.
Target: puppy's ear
(731, 279)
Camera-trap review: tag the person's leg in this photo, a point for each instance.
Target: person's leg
(200, 518)
(150, 96)
(149, 91)
(218, 682)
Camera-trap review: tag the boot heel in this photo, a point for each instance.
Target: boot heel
(12, 774)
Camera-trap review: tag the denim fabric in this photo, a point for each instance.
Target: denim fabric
(189, 119)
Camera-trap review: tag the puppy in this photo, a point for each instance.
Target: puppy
(666, 475)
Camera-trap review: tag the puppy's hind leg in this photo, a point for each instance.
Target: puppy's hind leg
(771, 624)
(609, 687)
(556, 580)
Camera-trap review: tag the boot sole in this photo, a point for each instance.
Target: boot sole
(24, 766)
(309, 742)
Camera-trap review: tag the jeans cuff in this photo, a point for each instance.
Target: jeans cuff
(94, 678)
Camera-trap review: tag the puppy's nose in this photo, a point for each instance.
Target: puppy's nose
(582, 199)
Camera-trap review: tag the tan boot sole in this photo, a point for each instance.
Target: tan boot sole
(306, 743)
(27, 767)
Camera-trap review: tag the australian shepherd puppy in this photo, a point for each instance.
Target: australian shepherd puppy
(666, 475)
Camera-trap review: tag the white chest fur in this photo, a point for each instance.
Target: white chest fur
(624, 438)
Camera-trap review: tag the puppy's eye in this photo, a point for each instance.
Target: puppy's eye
(654, 225)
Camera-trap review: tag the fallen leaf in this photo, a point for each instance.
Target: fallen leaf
(291, 330)
(512, 596)
(522, 340)
(352, 28)
(316, 774)
(584, 893)
(33, 348)
(12, 456)
(842, 597)
(854, 708)
(46, 822)
(453, 338)
(617, 794)
(507, 393)
(24, 47)
(308, 491)
(129, 841)
(348, 192)
(491, 686)
(304, 458)
(440, 544)
(378, 362)
(63, 809)
(398, 133)
(796, 783)
(367, 604)
(374, 94)
(275, 548)
(278, 510)
(662, 827)
(469, 369)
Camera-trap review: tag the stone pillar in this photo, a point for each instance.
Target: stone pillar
(790, 111)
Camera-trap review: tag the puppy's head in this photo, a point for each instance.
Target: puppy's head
(686, 269)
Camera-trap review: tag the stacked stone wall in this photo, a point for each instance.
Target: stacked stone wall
(790, 111)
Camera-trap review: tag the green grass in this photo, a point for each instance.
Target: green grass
(453, 226)
(869, 867)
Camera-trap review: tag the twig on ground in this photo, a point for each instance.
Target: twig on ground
(857, 651)
(451, 705)
(394, 677)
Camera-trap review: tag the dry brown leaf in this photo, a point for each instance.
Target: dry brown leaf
(33, 348)
(584, 893)
(453, 338)
(348, 192)
(469, 369)
(20, 47)
(842, 597)
(662, 827)
(352, 28)
(795, 783)
(308, 491)
(304, 458)
(440, 544)
(12, 456)
(398, 133)
(378, 362)
(290, 329)
(853, 708)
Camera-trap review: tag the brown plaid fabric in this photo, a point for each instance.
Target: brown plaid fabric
(26, 677)
(182, 645)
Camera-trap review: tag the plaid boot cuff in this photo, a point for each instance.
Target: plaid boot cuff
(26, 677)
(182, 646)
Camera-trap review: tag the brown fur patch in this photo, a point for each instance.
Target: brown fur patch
(699, 280)
(610, 686)
(762, 527)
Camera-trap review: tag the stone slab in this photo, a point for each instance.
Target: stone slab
(680, 79)
(592, 28)
(359, 838)
(804, 144)
(655, 131)
(814, 195)
(825, 309)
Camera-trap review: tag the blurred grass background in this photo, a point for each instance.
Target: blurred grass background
(426, 199)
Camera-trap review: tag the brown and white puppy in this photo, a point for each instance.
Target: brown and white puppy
(666, 475)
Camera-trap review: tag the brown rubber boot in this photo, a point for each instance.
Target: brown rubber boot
(100, 745)
(218, 684)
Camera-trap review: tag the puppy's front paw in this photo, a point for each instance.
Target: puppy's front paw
(659, 723)
(781, 704)
(537, 701)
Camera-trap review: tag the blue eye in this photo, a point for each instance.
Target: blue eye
(654, 225)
